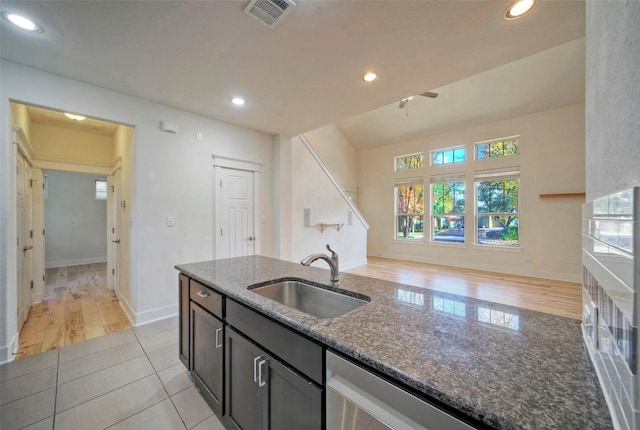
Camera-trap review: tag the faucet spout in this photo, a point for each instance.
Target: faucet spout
(331, 260)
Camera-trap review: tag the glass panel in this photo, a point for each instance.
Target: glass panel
(437, 158)
(409, 227)
(410, 161)
(459, 155)
(447, 156)
(482, 151)
(498, 196)
(101, 190)
(511, 147)
(621, 203)
(448, 229)
(498, 229)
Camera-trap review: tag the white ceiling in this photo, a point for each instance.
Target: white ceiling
(195, 55)
(55, 118)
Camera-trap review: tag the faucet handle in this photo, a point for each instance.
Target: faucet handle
(333, 253)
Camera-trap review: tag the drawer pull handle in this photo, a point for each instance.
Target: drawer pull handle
(202, 294)
(255, 368)
(261, 383)
(218, 342)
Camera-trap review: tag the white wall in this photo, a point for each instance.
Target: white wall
(173, 177)
(612, 97)
(337, 153)
(551, 160)
(313, 189)
(75, 222)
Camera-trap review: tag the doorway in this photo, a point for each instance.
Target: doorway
(74, 297)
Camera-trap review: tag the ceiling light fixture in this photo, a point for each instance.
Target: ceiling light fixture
(238, 101)
(519, 8)
(75, 117)
(370, 77)
(22, 22)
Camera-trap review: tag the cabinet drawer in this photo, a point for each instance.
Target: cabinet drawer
(299, 352)
(206, 297)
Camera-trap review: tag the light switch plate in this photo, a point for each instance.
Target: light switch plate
(171, 221)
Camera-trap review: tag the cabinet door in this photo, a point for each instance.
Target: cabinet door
(183, 298)
(207, 355)
(295, 403)
(246, 402)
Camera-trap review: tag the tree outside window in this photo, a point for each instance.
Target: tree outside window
(448, 211)
(409, 161)
(497, 148)
(497, 212)
(409, 211)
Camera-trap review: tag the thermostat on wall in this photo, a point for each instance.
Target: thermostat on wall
(169, 127)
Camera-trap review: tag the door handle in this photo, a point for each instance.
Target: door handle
(255, 368)
(116, 241)
(26, 248)
(218, 343)
(251, 238)
(261, 383)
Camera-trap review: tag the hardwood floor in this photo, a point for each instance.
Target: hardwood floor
(77, 306)
(543, 295)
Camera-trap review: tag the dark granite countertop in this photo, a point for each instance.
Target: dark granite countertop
(507, 367)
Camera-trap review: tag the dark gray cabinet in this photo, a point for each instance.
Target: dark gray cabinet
(183, 332)
(207, 355)
(263, 393)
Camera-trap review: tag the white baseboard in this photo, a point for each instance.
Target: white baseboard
(6, 352)
(354, 263)
(152, 315)
(75, 262)
(126, 307)
(557, 276)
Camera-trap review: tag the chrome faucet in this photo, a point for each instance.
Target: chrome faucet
(333, 263)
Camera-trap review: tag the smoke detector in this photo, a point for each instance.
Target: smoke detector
(269, 12)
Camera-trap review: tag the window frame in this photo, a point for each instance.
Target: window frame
(95, 190)
(448, 179)
(407, 182)
(443, 150)
(496, 176)
(395, 161)
(489, 142)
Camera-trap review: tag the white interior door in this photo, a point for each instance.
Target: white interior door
(37, 199)
(235, 213)
(25, 240)
(116, 220)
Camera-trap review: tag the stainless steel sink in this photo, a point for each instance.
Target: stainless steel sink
(311, 299)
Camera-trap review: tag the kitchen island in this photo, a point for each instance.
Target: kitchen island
(499, 366)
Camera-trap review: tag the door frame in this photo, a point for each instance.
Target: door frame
(221, 162)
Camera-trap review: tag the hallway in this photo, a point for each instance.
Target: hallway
(77, 306)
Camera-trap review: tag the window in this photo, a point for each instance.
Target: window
(409, 161)
(497, 208)
(448, 198)
(497, 148)
(409, 210)
(448, 156)
(101, 190)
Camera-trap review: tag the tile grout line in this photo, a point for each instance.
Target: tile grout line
(55, 392)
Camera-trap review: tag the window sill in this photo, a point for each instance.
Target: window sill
(495, 248)
(410, 241)
(443, 244)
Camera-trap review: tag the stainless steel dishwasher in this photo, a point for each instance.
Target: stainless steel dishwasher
(358, 400)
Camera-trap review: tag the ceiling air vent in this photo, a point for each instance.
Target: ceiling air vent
(269, 12)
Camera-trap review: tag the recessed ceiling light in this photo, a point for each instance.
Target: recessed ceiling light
(238, 101)
(519, 8)
(370, 77)
(22, 22)
(75, 117)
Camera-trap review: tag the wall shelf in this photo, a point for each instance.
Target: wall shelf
(562, 195)
(324, 225)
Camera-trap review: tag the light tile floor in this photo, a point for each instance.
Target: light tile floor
(131, 379)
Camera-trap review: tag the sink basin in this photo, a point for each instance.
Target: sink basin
(312, 299)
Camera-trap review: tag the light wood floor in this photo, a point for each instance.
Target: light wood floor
(77, 306)
(543, 295)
